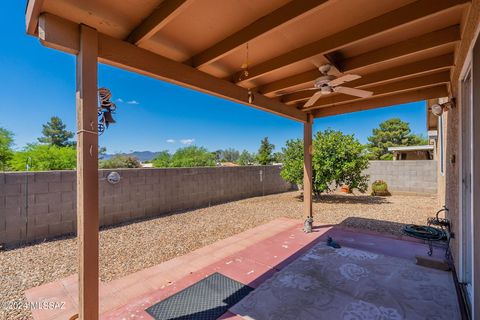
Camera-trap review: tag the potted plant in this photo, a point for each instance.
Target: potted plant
(380, 188)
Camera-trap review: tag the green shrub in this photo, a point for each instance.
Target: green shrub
(380, 188)
(192, 156)
(44, 157)
(117, 162)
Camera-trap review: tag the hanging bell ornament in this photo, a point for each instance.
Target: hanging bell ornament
(251, 96)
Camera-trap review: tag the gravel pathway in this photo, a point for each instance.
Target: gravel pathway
(129, 248)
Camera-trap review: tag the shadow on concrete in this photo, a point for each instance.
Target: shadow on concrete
(347, 199)
(373, 225)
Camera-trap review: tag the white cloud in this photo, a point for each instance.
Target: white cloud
(133, 102)
(119, 100)
(170, 141)
(187, 141)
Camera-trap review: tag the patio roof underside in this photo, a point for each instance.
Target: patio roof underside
(404, 50)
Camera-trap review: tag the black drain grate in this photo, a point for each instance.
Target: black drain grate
(207, 299)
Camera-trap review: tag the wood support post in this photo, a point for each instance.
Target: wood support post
(307, 173)
(87, 174)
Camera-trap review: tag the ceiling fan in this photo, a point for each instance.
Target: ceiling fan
(327, 83)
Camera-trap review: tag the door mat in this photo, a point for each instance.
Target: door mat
(207, 299)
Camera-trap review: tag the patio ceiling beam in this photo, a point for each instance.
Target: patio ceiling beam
(31, 15)
(268, 23)
(408, 70)
(407, 14)
(384, 101)
(411, 46)
(163, 14)
(388, 88)
(63, 35)
(436, 63)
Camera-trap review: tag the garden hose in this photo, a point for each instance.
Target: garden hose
(424, 232)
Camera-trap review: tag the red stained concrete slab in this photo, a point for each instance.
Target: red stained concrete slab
(250, 257)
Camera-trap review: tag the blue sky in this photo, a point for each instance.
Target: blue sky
(37, 83)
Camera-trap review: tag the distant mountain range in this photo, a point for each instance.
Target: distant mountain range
(140, 155)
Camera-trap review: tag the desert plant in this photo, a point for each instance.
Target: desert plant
(380, 188)
(120, 161)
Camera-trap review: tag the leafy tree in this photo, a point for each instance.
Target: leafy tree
(338, 159)
(391, 133)
(421, 139)
(6, 143)
(218, 155)
(193, 156)
(278, 157)
(265, 155)
(120, 161)
(162, 160)
(292, 169)
(102, 152)
(45, 157)
(230, 155)
(246, 158)
(55, 133)
(227, 155)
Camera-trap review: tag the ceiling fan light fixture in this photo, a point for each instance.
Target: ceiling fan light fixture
(326, 90)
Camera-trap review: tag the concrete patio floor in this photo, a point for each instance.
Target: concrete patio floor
(250, 257)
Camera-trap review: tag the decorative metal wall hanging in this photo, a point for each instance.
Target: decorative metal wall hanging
(105, 110)
(113, 177)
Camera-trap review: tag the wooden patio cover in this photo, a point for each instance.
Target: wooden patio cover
(405, 51)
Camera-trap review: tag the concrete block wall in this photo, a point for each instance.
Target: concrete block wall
(412, 176)
(140, 193)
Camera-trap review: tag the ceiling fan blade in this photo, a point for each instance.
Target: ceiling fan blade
(313, 99)
(353, 92)
(343, 79)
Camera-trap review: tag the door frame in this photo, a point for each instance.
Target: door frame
(473, 63)
(461, 254)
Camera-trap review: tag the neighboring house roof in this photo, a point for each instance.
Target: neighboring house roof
(228, 164)
(411, 148)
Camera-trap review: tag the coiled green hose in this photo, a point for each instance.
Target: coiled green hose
(424, 232)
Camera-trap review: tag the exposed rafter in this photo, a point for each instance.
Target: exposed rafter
(408, 70)
(275, 19)
(165, 12)
(421, 43)
(412, 12)
(387, 88)
(63, 35)
(384, 101)
(440, 62)
(282, 84)
(32, 12)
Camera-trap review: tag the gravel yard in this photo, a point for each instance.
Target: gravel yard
(129, 248)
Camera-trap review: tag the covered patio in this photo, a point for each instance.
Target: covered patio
(257, 255)
(351, 55)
